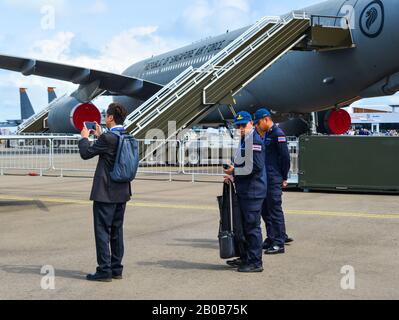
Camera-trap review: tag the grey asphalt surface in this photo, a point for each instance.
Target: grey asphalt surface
(172, 250)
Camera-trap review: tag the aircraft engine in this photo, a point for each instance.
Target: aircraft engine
(336, 122)
(69, 115)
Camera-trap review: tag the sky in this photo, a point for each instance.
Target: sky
(111, 35)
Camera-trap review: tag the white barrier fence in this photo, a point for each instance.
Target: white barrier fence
(60, 155)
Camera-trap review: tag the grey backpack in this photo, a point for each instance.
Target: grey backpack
(127, 159)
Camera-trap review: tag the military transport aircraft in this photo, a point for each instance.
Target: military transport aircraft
(296, 85)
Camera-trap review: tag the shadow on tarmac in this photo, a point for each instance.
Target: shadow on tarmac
(184, 265)
(38, 204)
(197, 243)
(35, 270)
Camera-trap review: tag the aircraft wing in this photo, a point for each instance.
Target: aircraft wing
(113, 83)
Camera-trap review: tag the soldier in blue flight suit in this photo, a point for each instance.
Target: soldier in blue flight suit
(278, 166)
(249, 174)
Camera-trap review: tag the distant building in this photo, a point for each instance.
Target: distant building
(375, 118)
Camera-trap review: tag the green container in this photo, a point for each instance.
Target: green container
(346, 163)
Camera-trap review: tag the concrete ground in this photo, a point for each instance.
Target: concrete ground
(172, 250)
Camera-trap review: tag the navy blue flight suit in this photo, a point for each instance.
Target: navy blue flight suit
(251, 188)
(278, 165)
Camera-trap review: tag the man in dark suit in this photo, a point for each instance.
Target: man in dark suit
(109, 197)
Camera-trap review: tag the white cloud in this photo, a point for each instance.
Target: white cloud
(36, 4)
(98, 7)
(123, 50)
(120, 52)
(214, 16)
(53, 49)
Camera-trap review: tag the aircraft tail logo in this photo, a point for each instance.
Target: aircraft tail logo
(372, 19)
(372, 16)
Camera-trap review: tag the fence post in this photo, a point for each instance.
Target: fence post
(51, 154)
(181, 156)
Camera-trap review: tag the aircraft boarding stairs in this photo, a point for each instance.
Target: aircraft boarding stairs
(193, 94)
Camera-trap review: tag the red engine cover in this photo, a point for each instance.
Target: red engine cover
(86, 112)
(338, 121)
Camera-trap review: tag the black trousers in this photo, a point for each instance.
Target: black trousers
(251, 211)
(108, 228)
(273, 215)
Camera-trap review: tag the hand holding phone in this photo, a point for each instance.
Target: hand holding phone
(92, 126)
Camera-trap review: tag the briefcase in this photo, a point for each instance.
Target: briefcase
(231, 235)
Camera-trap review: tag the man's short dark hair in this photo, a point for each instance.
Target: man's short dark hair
(118, 112)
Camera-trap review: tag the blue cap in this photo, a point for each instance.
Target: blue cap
(260, 114)
(242, 118)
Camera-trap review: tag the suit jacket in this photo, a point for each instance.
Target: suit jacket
(104, 189)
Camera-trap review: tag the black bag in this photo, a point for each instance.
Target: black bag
(231, 232)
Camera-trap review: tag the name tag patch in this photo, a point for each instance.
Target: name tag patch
(257, 147)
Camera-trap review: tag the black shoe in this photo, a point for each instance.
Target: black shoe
(98, 277)
(250, 269)
(117, 277)
(289, 240)
(267, 244)
(275, 250)
(235, 263)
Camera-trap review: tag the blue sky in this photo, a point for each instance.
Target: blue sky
(111, 35)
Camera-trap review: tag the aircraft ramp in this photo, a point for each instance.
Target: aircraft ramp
(193, 94)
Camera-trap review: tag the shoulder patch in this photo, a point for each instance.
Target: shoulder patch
(282, 139)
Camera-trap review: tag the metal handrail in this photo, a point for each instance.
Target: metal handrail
(192, 78)
(313, 18)
(208, 67)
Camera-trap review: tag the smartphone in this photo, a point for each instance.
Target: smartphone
(226, 166)
(91, 126)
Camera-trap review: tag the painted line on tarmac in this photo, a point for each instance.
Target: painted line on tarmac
(204, 208)
(342, 214)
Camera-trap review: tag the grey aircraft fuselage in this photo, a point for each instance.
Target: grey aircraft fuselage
(303, 82)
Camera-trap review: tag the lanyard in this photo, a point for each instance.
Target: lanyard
(120, 129)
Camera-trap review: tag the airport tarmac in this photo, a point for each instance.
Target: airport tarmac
(172, 250)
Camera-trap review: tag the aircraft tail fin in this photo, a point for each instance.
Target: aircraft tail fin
(51, 94)
(26, 106)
